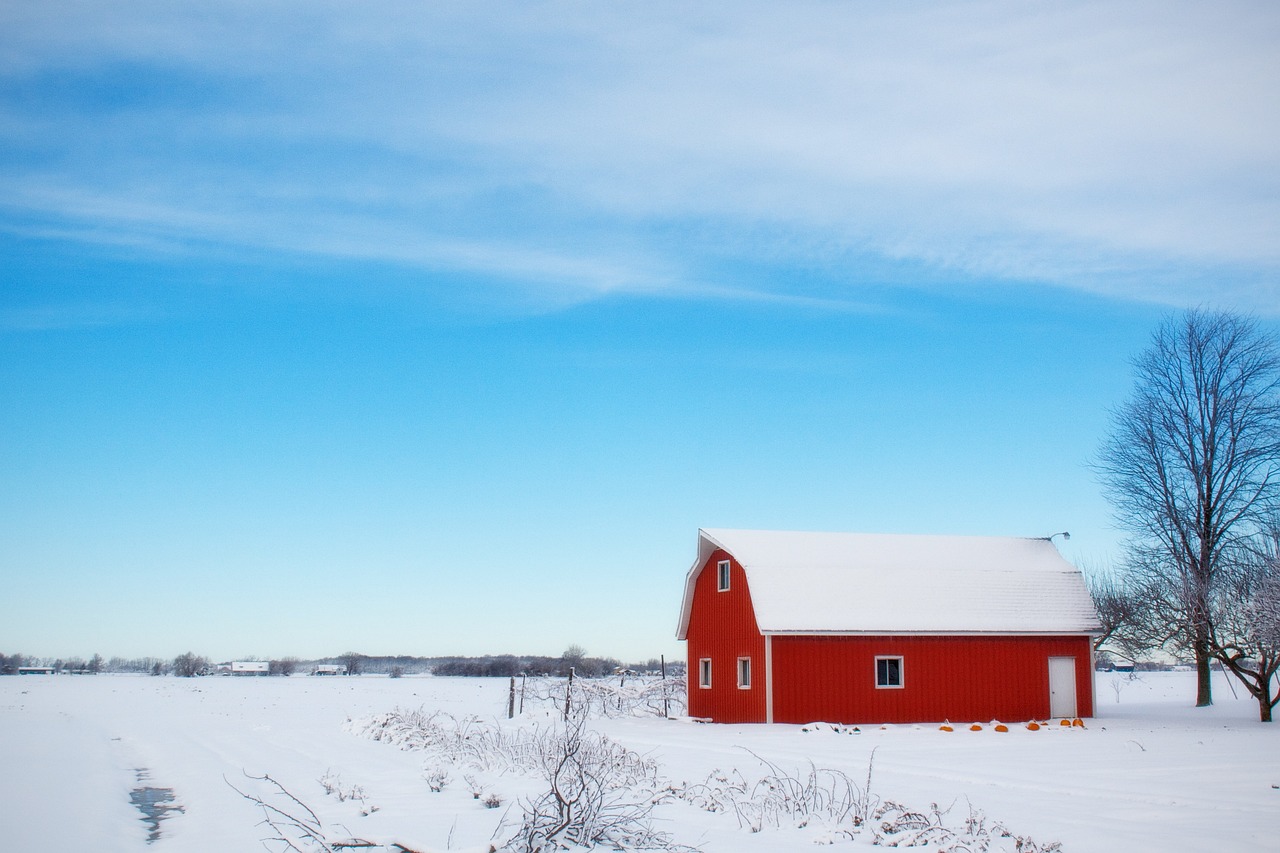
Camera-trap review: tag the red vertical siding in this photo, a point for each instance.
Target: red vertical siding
(722, 626)
(957, 678)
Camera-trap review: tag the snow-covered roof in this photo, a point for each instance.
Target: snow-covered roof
(812, 583)
(250, 666)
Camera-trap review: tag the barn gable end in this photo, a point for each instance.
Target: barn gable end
(864, 628)
(734, 638)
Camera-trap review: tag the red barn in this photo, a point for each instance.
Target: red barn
(867, 628)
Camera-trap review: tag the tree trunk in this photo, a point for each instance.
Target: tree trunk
(1264, 693)
(1204, 682)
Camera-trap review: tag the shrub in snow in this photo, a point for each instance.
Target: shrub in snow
(465, 741)
(821, 798)
(437, 778)
(474, 785)
(292, 824)
(841, 809)
(599, 794)
(896, 825)
(332, 784)
(610, 697)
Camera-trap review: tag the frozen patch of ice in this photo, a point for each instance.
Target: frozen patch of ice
(154, 803)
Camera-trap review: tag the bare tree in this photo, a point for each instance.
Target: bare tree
(572, 659)
(1125, 630)
(1191, 464)
(284, 666)
(1246, 620)
(353, 662)
(189, 664)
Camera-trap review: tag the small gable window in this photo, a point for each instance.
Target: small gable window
(888, 672)
(744, 673)
(704, 673)
(722, 576)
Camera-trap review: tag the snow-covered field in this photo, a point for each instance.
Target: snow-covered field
(1149, 773)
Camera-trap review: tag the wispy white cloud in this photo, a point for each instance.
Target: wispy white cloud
(587, 149)
(44, 318)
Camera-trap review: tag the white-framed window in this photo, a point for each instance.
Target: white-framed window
(704, 673)
(888, 671)
(722, 576)
(744, 673)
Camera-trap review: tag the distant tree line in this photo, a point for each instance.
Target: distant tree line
(494, 666)
(190, 664)
(507, 665)
(10, 664)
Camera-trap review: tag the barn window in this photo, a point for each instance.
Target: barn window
(744, 673)
(704, 672)
(888, 671)
(722, 576)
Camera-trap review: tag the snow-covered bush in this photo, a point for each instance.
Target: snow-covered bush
(840, 809)
(463, 741)
(896, 825)
(599, 793)
(822, 798)
(293, 826)
(332, 784)
(616, 696)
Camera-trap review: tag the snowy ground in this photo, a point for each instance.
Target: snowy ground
(1150, 773)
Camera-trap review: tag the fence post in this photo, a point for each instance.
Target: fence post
(666, 699)
(511, 700)
(568, 694)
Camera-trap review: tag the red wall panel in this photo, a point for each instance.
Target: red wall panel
(963, 679)
(722, 626)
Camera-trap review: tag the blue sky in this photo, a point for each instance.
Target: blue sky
(441, 328)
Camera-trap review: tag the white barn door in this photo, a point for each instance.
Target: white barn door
(1062, 687)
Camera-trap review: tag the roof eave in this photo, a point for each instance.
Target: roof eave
(706, 545)
(966, 632)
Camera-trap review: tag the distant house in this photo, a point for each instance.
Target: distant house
(330, 669)
(250, 667)
(868, 628)
(36, 670)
